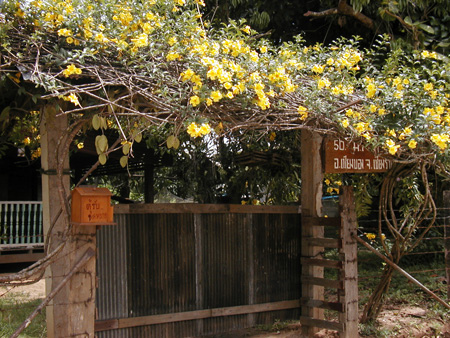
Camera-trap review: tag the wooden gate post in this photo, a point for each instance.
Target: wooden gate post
(311, 206)
(348, 296)
(72, 311)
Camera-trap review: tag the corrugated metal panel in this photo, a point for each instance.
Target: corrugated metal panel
(192, 261)
(112, 292)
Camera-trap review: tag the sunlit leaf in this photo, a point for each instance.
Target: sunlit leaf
(102, 159)
(96, 122)
(126, 148)
(101, 144)
(123, 161)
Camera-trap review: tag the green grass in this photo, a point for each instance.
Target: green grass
(14, 309)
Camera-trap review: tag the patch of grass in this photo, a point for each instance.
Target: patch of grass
(276, 326)
(14, 310)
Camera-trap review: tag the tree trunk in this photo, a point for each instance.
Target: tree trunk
(374, 305)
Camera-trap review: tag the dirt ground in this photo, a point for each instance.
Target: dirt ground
(401, 321)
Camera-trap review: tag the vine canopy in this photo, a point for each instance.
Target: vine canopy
(135, 65)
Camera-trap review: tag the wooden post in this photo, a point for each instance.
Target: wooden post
(349, 295)
(447, 239)
(72, 311)
(311, 199)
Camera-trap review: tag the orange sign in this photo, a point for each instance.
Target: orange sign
(344, 157)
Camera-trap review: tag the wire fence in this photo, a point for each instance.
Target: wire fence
(427, 257)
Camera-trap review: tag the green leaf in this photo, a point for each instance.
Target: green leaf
(426, 28)
(123, 161)
(96, 122)
(408, 20)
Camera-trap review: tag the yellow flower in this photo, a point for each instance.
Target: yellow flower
(216, 96)
(193, 130)
(64, 32)
(205, 129)
(263, 49)
(345, 123)
(318, 69)
(428, 86)
(27, 141)
(141, 40)
(70, 70)
(371, 90)
(323, 83)
(172, 41)
(370, 236)
(441, 140)
(272, 136)
(391, 146)
(73, 98)
(246, 29)
(412, 144)
(303, 111)
(194, 101)
(209, 102)
(80, 145)
(187, 75)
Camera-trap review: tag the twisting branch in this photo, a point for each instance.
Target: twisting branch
(344, 8)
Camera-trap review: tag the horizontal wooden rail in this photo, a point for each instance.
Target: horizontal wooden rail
(326, 263)
(194, 208)
(322, 304)
(122, 323)
(321, 221)
(324, 324)
(333, 243)
(329, 283)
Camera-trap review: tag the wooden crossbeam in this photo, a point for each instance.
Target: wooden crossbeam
(326, 263)
(335, 306)
(333, 243)
(321, 221)
(329, 283)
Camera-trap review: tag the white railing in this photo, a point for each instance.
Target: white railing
(21, 223)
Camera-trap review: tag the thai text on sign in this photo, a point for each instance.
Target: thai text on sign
(351, 157)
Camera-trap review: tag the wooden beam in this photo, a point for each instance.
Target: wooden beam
(322, 304)
(327, 263)
(311, 202)
(121, 323)
(321, 221)
(21, 258)
(71, 313)
(194, 208)
(329, 283)
(333, 243)
(349, 274)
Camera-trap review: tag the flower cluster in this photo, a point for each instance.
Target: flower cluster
(195, 130)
